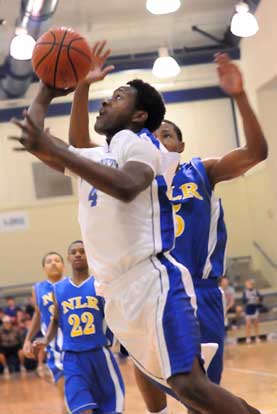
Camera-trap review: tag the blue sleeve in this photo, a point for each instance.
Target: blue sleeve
(244, 299)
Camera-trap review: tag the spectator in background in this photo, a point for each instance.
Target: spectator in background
(11, 308)
(10, 345)
(234, 316)
(229, 294)
(1, 316)
(20, 316)
(30, 307)
(252, 301)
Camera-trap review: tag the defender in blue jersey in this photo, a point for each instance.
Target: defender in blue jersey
(92, 378)
(127, 223)
(53, 267)
(200, 229)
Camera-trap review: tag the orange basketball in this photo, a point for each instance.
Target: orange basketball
(61, 58)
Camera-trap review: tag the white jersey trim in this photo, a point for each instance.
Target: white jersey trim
(215, 212)
(114, 376)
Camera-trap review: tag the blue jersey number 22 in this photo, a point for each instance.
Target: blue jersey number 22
(93, 197)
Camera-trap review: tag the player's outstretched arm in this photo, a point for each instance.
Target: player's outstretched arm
(124, 183)
(34, 329)
(79, 135)
(240, 160)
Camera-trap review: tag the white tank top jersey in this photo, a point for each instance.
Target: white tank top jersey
(117, 235)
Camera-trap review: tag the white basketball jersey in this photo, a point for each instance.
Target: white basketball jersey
(117, 235)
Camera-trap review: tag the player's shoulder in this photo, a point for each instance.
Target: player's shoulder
(61, 283)
(87, 152)
(123, 137)
(42, 284)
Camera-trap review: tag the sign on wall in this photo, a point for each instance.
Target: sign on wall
(14, 221)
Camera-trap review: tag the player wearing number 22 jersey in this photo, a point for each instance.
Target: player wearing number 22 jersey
(92, 377)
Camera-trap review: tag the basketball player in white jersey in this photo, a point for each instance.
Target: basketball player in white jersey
(127, 225)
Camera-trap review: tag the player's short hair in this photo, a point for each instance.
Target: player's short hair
(150, 100)
(176, 129)
(9, 298)
(74, 242)
(50, 254)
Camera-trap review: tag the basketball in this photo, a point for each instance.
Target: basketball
(61, 58)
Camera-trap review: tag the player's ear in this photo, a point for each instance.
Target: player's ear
(140, 117)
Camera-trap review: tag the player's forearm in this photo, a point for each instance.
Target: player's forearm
(51, 331)
(256, 145)
(39, 106)
(34, 328)
(111, 181)
(38, 110)
(79, 118)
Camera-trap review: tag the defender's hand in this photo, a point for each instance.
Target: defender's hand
(230, 77)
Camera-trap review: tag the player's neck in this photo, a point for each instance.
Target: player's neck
(54, 279)
(79, 276)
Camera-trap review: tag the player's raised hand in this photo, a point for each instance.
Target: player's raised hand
(230, 77)
(98, 70)
(46, 93)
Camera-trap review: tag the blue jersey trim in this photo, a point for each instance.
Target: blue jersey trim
(154, 140)
(166, 216)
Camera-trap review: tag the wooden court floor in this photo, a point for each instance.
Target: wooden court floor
(250, 371)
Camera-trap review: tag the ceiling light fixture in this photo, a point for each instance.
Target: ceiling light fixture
(162, 6)
(22, 47)
(165, 66)
(244, 23)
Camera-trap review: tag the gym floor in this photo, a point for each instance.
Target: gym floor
(250, 371)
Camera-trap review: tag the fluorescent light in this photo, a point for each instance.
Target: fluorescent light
(22, 47)
(244, 23)
(162, 6)
(165, 66)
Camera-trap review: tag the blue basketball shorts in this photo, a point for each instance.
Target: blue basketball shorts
(210, 313)
(93, 382)
(54, 363)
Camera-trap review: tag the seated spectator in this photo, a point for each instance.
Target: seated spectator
(252, 301)
(1, 316)
(229, 294)
(234, 315)
(11, 308)
(30, 307)
(10, 345)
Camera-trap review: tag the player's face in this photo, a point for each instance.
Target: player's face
(249, 284)
(117, 112)
(77, 257)
(53, 266)
(167, 136)
(11, 303)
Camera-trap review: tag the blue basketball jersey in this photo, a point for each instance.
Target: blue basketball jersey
(200, 229)
(81, 315)
(45, 303)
